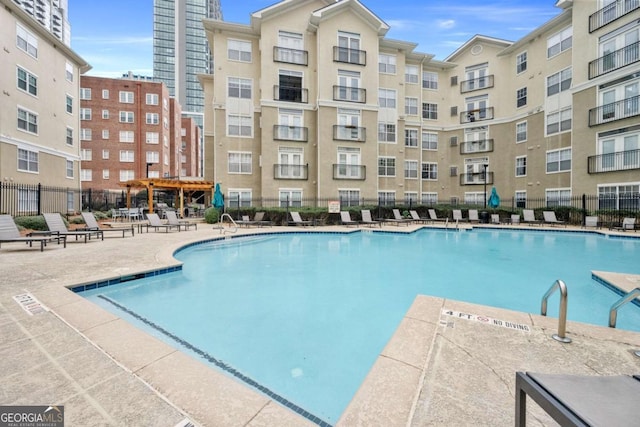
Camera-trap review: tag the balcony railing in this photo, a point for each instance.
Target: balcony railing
(480, 146)
(290, 56)
(350, 56)
(286, 171)
(613, 162)
(351, 94)
(349, 133)
(611, 12)
(615, 60)
(629, 107)
(476, 178)
(476, 115)
(476, 84)
(290, 133)
(290, 94)
(355, 172)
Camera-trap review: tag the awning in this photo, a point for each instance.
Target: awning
(177, 185)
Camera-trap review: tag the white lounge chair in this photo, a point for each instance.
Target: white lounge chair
(345, 219)
(417, 218)
(434, 217)
(529, 217)
(172, 219)
(495, 219)
(473, 215)
(457, 215)
(550, 218)
(628, 223)
(55, 223)
(297, 220)
(591, 222)
(93, 225)
(157, 224)
(367, 220)
(398, 219)
(515, 219)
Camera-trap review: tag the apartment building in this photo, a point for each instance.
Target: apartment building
(130, 129)
(51, 14)
(311, 100)
(39, 112)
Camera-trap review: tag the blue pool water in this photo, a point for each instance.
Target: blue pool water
(303, 317)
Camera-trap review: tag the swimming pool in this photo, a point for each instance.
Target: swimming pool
(304, 316)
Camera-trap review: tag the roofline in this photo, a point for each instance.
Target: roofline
(563, 16)
(476, 38)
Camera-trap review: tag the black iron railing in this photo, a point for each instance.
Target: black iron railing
(349, 56)
(290, 94)
(356, 172)
(290, 133)
(479, 146)
(613, 162)
(287, 171)
(611, 12)
(349, 133)
(476, 115)
(478, 83)
(629, 107)
(351, 94)
(615, 60)
(290, 56)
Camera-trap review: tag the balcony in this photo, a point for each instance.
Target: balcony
(615, 60)
(286, 171)
(354, 172)
(613, 162)
(629, 107)
(480, 146)
(290, 133)
(350, 94)
(349, 133)
(476, 178)
(611, 12)
(290, 94)
(485, 82)
(349, 56)
(477, 115)
(290, 56)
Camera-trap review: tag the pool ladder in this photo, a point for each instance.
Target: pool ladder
(562, 317)
(220, 225)
(613, 313)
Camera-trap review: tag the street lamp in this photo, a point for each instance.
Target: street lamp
(148, 164)
(485, 166)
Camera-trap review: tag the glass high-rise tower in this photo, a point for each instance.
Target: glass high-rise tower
(51, 14)
(181, 50)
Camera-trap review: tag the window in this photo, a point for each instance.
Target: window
(349, 197)
(27, 121)
(105, 93)
(559, 160)
(619, 48)
(69, 71)
(69, 168)
(429, 199)
(387, 166)
(558, 197)
(559, 82)
(429, 171)
(126, 116)
(411, 169)
(521, 199)
(387, 98)
(126, 97)
(616, 197)
(239, 162)
(387, 198)
(559, 121)
(411, 106)
(27, 82)
(290, 162)
(127, 136)
(411, 74)
(411, 137)
(429, 111)
(349, 87)
(349, 163)
(105, 114)
(69, 104)
(410, 198)
(239, 198)
(27, 160)
(69, 136)
(387, 63)
(153, 138)
(152, 99)
(521, 62)
(153, 157)
(85, 114)
(105, 154)
(521, 166)
(105, 133)
(86, 174)
(521, 97)
(559, 42)
(126, 175)
(290, 48)
(238, 50)
(290, 197)
(127, 156)
(85, 93)
(349, 49)
(429, 141)
(239, 125)
(387, 132)
(26, 41)
(239, 88)
(521, 131)
(619, 152)
(429, 80)
(105, 173)
(153, 118)
(85, 134)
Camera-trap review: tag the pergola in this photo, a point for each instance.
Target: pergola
(180, 187)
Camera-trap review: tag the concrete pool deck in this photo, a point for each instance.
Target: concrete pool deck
(449, 362)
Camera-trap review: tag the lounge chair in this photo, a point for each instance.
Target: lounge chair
(10, 233)
(297, 220)
(473, 216)
(591, 222)
(550, 218)
(258, 221)
(529, 217)
(345, 219)
(457, 216)
(367, 220)
(417, 218)
(93, 225)
(434, 217)
(172, 219)
(157, 224)
(495, 219)
(55, 223)
(628, 223)
(515, 219)
(398, 219)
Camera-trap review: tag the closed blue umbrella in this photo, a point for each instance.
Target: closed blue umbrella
(494, 199)
(218, 198)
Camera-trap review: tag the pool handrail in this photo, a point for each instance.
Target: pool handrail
(562, 316)
(613, 313)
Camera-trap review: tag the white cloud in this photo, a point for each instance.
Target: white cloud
(128, 40)
(446, 23)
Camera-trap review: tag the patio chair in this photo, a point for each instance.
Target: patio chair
(172, 219)
(398, 219)
(345, 219)
(55, 224)
(157, 224)
(529, 217)
(258, 221)
(93, 225)
(550, 218)
(457, 215)
(297, 220)
(367, 220)
(495, 219)
(473, 215)
(515, 219)
(628, 223)
(434, 217)
(591, 222)
(10, 233)
(417, 218)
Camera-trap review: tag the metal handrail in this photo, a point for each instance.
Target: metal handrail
(613, 313)
(562, 317)
(222, 229)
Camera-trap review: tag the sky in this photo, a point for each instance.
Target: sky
(116, 36)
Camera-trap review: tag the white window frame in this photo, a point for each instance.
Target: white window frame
(387, 133)
(562, 118)
(521, 62)
(127, 136)
(152, 118)
(86, 175)
(85, 93)
(85, 113)
(86, 134)
(411, 137)
(239, 50)
(105, 174)
(243, 160)
(152, 138)
(411, 106)
(126, 117)
(27, 121)
(431, 110)
(27, 83)
(387, 63)
(429, 80)
(105, 93)
(559, 42)
(240, 88)
(127, 156)
(411, 74)
(240, 126)
(559, 82)
(86, 154)
(244, 195)
(126, 97)
(429, 198)
(26, 41)
(429, 171)
(105, 133)
(429, 141)
(521, 97)
(387, 98)
(28, 160)
(411, 170)
(152, 156)
(557, 197)
(521, 134)
(521, 166)
(105, 154)
(68, 71)
(563, 156)
(69, 136)
(387, 165)
(152, 99)
(126, 175)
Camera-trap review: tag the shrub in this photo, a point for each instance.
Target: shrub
(35, 222)
(211, 215)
